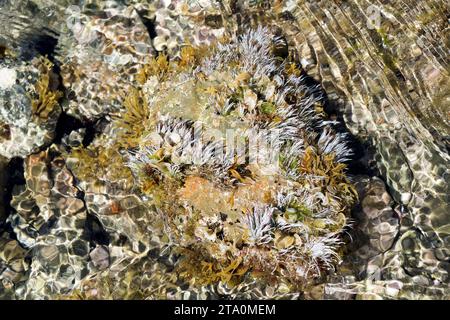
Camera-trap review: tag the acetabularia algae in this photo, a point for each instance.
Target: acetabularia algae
(229, 146)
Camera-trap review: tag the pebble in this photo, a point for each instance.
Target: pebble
(100, 257)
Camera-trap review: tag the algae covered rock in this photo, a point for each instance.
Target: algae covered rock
(277, 216)
(221, 169)
(199, 156)
(101, 51)
(29, 107)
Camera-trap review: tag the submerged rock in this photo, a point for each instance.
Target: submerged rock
(49, 221)
(3, 181)
(100, 52)
(29, 107)
(222, 220)
(385, 77)
(132, 206)
(13, 268)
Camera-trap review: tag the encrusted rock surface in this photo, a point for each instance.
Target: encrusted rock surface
(387, 259)
(49, 222)
(29, 107)
(389, 81)
(378, 224)
(98, 213)
(100, 54)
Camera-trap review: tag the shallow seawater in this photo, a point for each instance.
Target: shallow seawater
(224, 150)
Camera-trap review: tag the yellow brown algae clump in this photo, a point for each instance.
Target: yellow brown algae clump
(233, 151)
(47, 95)
(221, 218)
